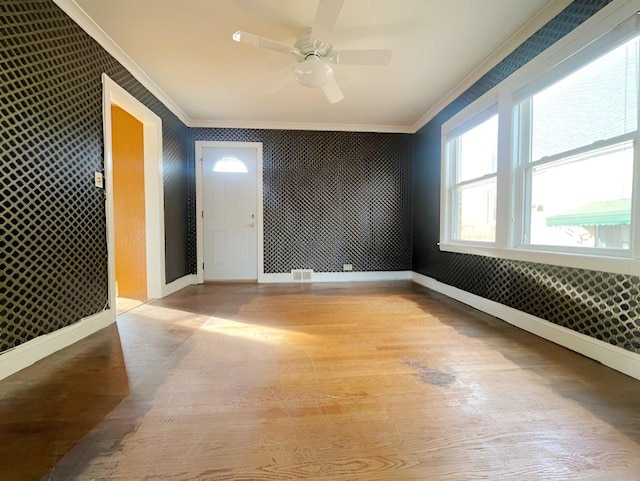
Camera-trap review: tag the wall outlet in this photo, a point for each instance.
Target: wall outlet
(347, 267)
(98, 180)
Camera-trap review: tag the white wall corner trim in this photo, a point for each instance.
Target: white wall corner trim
(614, 357)
(257, 124)
(36, 349)
(87, 24)
(178, 284)
(553, 8)
(339, 277)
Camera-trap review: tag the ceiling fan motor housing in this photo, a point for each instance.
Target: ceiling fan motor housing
(307, 46)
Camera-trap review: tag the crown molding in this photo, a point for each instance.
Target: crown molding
(242, 124)
(78, 15)
(550, 10)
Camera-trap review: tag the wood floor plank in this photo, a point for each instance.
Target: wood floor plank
(363, 381)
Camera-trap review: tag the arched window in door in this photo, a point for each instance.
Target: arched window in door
(230, 164)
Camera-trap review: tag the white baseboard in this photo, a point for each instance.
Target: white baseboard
(614, 357)
(273, 278)
(181, 283)
(339, 277)
(36, 349)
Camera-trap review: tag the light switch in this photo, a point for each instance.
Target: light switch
(98, 180)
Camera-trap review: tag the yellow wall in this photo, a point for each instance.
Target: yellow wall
(129, 208)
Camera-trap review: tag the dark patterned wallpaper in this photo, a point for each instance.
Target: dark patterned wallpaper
(332, 198)
(599, 304)
(53, 267)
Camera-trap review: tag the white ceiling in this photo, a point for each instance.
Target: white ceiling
(185, 47)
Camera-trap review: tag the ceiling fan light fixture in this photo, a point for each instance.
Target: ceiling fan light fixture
(313, 72)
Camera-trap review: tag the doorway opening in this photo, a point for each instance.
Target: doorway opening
(134, 198)
(127, 148)
(229, 206)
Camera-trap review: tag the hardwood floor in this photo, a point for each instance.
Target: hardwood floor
(375, 381)
(124, 304)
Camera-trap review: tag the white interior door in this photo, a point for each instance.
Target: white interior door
(229, 177)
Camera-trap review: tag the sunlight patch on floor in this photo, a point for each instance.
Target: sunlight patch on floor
(254, 332)
(124, 304)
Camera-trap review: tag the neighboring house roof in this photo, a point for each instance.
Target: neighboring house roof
(613, 212)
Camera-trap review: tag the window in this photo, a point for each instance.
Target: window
(578, 154)
(545, 166)
(230, 165)
(473, 159)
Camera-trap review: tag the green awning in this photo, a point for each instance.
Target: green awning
(612, 212)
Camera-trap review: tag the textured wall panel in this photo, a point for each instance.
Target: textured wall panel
(332, 198)
(53, 266)
(598, 304)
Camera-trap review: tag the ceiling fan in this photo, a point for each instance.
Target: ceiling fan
(314, 53)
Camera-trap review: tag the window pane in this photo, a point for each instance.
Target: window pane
(597, 102)
(230, 164)
(477, 211)
(478, 150)
(584, 201)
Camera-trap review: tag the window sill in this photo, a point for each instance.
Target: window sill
(614, 264)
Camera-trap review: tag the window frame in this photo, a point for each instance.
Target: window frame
(452, 162)
(608, 29)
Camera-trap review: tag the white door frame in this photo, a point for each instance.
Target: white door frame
(113, 94)
(201, 144)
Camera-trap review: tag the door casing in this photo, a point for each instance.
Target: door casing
(153, 186)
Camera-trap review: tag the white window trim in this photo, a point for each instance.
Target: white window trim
(481, 112)
(549, 65)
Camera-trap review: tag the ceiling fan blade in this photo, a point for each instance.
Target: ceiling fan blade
(326, 17)
(361, 57)
(284, 79)
(332, 91)
(257, 41)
